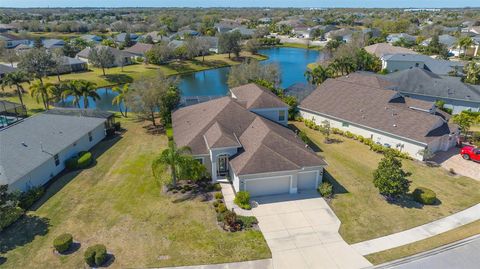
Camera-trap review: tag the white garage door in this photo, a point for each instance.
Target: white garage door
(268, 186)
(307, 181)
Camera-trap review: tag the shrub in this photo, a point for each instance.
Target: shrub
(325, 189)
(29, 197)
(220, 217)
(231, 221)
(83, 160)
(215, 203)
(169, 132)
(221, 208)
(304, 137)
(247, 221)
(243, 200)
(63, 242)
(95, 255)
(217, 187)
(424, 196)
(9, 215)
(218, 195)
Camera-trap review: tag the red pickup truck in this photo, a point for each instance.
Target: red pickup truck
(470, 153)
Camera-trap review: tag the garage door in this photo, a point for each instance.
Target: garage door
(268, 186)
(307, 181)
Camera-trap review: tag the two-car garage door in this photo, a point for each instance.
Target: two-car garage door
(281, 184)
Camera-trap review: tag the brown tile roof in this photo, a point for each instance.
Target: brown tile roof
(351, 99)
(139, 48)
(265, 145)
(381, 49)
(254, 96)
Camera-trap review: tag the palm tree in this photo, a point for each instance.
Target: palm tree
(16, 79)
(120, 98)
(71, 89)
(174, 157)
(318, 74)
(472, 71)
(39, 90)
(87, 89)
(55, 92)
(465, 42)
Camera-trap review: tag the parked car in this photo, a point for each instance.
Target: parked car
(470, 153)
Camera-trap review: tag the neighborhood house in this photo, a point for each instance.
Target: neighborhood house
(35, 149)
(362, 105)
(243, 138)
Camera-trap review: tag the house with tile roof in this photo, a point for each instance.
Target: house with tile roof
(382, 49)
(238, 138)
(365, 105)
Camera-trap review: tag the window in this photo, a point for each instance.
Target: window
(345, 124)
(56, 159)
(281, 115)
(90, 138)
(200, 160)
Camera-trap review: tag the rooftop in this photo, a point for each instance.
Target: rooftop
(254, 96)
(381, 49)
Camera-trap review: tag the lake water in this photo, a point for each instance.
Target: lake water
(291, 61)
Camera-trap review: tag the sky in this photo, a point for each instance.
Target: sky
(243, 3)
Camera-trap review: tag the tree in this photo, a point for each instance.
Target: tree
(144, 98)
(191, 47)
(87, 89)
(181, 164)
(253, 71)
(9, 56)
(37, 43)
(55, 92)
(325, 129)
(128, 40)
(159, 54)
(229, 43)
(389, 178)
(464, 120)
(465, 42)
(101, 57)
(319, 74)
(61, 62)
(109, 43)
(148, 40)
(39, 91)
(74, 46)
(16, 79)
(169, 100)
(120, 98)
(38, 62)
(472, 71)
(426, 153)
(252, 46)
(203, 47)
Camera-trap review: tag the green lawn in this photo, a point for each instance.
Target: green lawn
(118, 202)
(300, 46)
(364, 213)
(454, 235)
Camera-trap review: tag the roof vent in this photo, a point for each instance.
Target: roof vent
(394, 125)
(24, 144)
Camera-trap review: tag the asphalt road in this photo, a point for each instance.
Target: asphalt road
(464, 254)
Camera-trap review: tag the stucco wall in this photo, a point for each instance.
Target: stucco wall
(395, 142)
(456, 105)
(272, 114)
(43, 173)
(393, 66)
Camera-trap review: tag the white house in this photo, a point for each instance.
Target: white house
(362, 105)
(243, 138)
(35, 149)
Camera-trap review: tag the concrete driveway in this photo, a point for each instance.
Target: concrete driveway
(302, 232)
(452, 160)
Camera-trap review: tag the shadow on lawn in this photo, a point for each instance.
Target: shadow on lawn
(407, 201)
(62, 179)
(309, 142)
(22, 232)
(337, 187)
(118, 78)
(3, 260)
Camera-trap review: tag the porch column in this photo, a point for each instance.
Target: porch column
(214, 171)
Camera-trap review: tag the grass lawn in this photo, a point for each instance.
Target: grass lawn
(364, 213)
(300, 46)
(118, 202)
(454, 235)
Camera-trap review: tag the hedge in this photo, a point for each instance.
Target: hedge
(9, 215)
(82, 160)
(95, 255)
(63, 242)
(29, 197)
(325, 189)
(424, 196)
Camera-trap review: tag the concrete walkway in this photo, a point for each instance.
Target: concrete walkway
(258, 264)
(229, 196)
(453, 160)
(302, 233)
(419, 233)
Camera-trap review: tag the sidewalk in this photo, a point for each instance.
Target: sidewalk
(258, 264)
(419, 233)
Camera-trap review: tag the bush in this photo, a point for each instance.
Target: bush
(63, 242)
(325, 189)
(9, 215)
(304, 137)
(95, 255)
(247, 221)
(424, 196)
(215, 203)
(169, 133)
(243, 200)
(83, 160)
(217, 187)
(29, 197)
(231, 221)
(221, 208)
(218, 195)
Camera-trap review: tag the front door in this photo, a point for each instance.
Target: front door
(222, 165)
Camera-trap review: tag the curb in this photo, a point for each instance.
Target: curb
(428, 253)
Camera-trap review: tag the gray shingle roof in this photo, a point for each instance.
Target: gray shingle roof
(5, 69)
(265, 146)
(33, 141)
(441, 67)
(358, 99)
(423, 82)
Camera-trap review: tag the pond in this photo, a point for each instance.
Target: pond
(291, 61)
